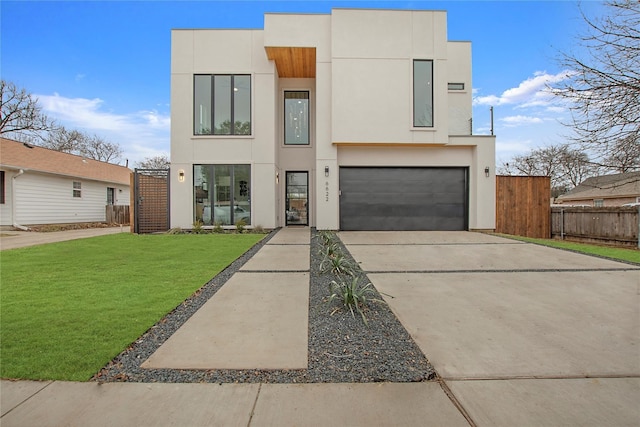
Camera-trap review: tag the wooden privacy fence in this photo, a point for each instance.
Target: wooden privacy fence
(523, 205)
(117, 214)
(150, 200)
(611, 225)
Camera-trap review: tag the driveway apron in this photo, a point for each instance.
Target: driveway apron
(518, 332)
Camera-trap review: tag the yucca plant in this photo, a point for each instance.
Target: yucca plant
(326, 237)
(337, 264)
(353, 295)
(330, 250)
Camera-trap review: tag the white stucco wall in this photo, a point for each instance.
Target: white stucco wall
(223, 52)
(361, 95)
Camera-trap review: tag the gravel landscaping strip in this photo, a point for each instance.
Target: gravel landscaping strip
(341, 348)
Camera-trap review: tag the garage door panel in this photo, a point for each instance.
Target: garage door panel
(403, 198)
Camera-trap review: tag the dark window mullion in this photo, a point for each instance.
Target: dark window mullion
(232, 128)
(212, 131)
(232, 202)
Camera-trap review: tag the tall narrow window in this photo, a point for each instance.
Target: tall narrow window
(77, 189)
(203, 111)
(222, 105)
(111, 195)
(422, 93)
(296, 118)
(2, 190)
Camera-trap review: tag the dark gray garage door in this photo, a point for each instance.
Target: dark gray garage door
(381, 198)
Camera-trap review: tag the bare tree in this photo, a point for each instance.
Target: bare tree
(565, 166)
(62, 139)
(603, 86)
(20, 112)
(155, 162)
(97, 148)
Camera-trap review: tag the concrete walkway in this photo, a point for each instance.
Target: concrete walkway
(20, 239)
(257, 320)
(520, 334)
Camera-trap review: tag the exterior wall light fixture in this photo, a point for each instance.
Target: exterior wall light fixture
(486, 171)
(277, 177)
(326, 171)
(181, 175)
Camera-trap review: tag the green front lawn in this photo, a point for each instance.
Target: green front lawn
(621, 254)
(68, 308)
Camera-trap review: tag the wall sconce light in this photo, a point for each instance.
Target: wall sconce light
(277, 177)
(181, 175)
(486, 171)
(326, 171)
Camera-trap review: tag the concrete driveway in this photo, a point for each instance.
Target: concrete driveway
(521, 334)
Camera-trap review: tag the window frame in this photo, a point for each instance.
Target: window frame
(284, 117)
(2, 188)
(415, 87)
(214, 193)
(111, 191)
(232, 101)
(77, 189)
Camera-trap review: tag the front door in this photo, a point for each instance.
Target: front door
(297, 198)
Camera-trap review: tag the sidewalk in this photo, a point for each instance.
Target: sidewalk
(21, 239)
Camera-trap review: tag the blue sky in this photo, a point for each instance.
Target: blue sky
(104, 66)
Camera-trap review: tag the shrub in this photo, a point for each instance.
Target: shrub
(217, 227)
(353, 295)
(198, 227)
(240, 225)
(258, 229)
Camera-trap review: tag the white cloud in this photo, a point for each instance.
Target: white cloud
(140, 134)
(529, 93)
(514, 121)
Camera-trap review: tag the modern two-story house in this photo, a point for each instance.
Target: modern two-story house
(354, 120)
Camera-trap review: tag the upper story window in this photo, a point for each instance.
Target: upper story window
(222, 104)
(455, 86)
(296, 118)
(77, 189)
(422, 93)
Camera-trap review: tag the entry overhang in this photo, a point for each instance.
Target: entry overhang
(296, 62)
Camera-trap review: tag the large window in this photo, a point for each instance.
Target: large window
(222, 194)
(422, 93)
(222, 104)
(296, 118)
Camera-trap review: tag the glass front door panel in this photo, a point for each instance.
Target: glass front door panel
(297, 197)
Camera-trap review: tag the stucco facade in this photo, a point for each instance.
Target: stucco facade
(351, 77)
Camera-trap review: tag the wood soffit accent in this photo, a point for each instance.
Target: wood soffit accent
(299, 62)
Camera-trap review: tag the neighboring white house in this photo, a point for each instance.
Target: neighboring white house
(42, 186)
(358, 119)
